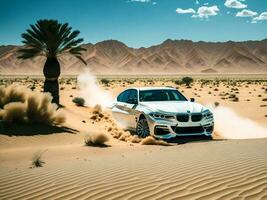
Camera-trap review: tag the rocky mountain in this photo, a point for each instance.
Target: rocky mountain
(171, 56)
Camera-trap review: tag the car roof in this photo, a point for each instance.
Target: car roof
(154, 88)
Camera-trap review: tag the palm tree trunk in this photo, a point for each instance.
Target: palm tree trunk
(51, 72)
(53, 88)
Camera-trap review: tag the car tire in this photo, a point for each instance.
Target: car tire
(142, 128)
(208, 137)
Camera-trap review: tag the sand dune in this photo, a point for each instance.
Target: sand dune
(188, 169)
(216, 170)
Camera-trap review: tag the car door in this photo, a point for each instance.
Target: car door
(130, 108)
(119, 110)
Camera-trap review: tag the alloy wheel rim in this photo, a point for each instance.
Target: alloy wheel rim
(142, 128)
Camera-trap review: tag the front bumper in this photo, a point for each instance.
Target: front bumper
(166, 129)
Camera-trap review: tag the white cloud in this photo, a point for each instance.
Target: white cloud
(141, 1)
(154, 3)
(246, 13)
(234, 4)
(197, 2)
(206, 4)
(185, 11)
(262, 16)
(206, 12)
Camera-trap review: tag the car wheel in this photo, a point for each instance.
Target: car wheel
(142, 128)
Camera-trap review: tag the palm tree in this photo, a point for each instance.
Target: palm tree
(50, 38)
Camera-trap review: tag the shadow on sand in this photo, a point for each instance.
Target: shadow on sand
(187, 139)
(98, 145)
(32, 129)
(190, 139)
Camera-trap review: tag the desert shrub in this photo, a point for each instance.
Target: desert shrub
(216, 104)
(232, 96)
(14, 112)
(12, 93)
(130, 81)
(96, 139)
(37, 159)
(178, 82)
(236, 99)
(68, 82)
(264, 99)
(79, 101)
(33, 87)
(105, 81)
(187, 81)
(26, 106)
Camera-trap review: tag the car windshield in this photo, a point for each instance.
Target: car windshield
(161, 95)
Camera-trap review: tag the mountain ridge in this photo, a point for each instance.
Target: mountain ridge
(171, 56)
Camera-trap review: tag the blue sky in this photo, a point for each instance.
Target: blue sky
(140, 23)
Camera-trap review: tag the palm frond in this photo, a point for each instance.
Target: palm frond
(28, 53)
(81, 59)
(50, 38)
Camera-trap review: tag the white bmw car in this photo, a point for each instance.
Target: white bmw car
(162, 112)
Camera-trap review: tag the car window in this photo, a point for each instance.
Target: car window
(124, 96)
(133, 94)
(161, 95)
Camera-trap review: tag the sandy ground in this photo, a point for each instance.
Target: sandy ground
(190, 169)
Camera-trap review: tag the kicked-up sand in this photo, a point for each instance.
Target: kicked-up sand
(191, 168)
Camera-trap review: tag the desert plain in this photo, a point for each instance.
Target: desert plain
(231, 165)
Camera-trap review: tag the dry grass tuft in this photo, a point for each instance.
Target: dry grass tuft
(96, 139)
(22, 105)
(37, 159)
(12, 93)
(14, 112)
(152, 141)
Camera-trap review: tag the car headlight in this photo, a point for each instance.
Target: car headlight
(207, 113)
(161, 116)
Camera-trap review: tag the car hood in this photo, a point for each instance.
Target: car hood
(173, 107)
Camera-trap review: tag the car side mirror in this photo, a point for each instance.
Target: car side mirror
(132, 101)
(192, 99)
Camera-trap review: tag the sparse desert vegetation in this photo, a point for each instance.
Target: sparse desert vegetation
(79, 101)
(96, 139)
(19, 104)
(67, 152)
(37, 160)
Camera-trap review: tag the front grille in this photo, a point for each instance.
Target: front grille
(188, 130)
(182, 117)
(196, 117)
